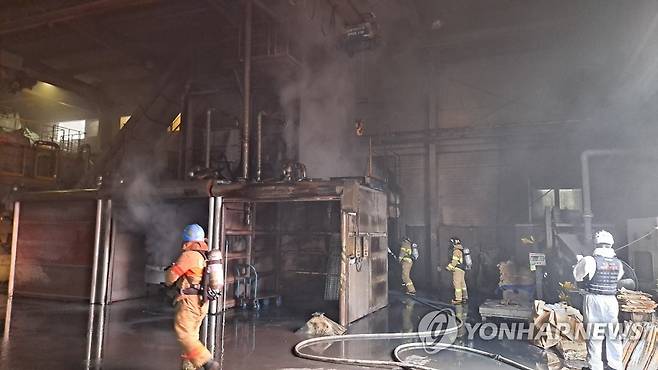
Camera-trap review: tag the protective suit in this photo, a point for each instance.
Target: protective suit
(457, 267)
(406, 259)
(601, 274)
(187, 274)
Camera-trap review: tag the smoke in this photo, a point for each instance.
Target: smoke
(324, 96)
(329, 145)
(145, 214)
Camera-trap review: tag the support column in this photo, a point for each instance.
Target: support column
(432, 212)
(108, 127)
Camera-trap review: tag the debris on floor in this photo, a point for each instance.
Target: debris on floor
(319, 325)
(642, 353)
(557, 322)
(557, 327)
(493, 308)
(418, 360)
(635, 302)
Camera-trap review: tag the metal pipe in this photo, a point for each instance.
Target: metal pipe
(12, 268)
(90, 336)
(214, 240)
(100, 333)
(342, 289)
(208, 135)
(14, 247)
(259, 147)
(247, 89)
(587, 200)
(97, 246)
(225, 256)
(211, 229)
(106, 252)
(182, 145)
(222, 241)
(530, 199)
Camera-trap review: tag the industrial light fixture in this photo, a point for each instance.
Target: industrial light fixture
(360, 37)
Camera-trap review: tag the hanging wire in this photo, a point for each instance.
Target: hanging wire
(635, 241)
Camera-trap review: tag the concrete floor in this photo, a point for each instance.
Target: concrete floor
(138, 335)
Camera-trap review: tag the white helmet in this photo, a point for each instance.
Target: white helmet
(604, 237)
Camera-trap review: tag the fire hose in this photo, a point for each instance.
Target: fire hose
(398, 362)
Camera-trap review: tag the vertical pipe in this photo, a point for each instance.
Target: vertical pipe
(90, 335)
(530, 199)
(100, 333)
(587, 200)
(106, 252)
(208, 136)
(12, 269)
(212, 329)
(97, 246)
(259, 147)
(225, 256)
(222, 241)
(14, 247)
(247, 89)
(342, 289)
(370, 156)
(183, 135)
(211, 229)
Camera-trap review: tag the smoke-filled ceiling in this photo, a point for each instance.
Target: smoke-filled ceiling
(366, 160)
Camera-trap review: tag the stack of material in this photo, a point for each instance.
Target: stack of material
(641, 352)
(556, 323)
(517, 283)
(635, 302)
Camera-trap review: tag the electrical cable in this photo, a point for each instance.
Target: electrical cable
(628, 267)
(635, 241)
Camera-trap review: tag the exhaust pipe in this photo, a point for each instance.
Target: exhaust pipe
(208, 136)
(247, 89)
(259, 147)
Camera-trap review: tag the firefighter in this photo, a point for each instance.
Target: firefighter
(457, 266)
(406, 258)
(191, 308)
(601, 274)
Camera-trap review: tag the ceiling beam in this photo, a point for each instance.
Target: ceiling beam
(114, 43)
(85, 9)
(42, 72)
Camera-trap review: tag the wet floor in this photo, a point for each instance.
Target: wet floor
(138, 335)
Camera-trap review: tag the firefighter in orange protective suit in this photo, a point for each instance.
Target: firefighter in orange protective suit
(187, 273)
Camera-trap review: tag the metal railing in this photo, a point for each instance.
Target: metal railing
(69, 140)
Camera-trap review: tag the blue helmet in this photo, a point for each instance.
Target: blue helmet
(193, 233)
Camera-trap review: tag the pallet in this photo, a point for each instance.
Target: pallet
(492, 308)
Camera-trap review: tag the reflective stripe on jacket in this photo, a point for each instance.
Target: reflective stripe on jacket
(405, 253)
(457, 259)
